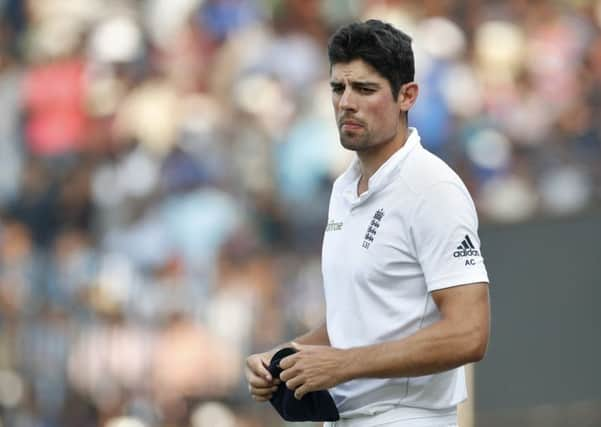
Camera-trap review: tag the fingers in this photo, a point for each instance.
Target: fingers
(294, 383)
(260, 389)
(260, 399)
(264, 372)
(258, 382)
(288, 361)
(256, 367)
(262, 394)
(301, 391)
(292, 378)
(299, 386)
(261, 384)
(286, 374)
(288, 369)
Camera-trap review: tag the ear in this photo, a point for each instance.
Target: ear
(407, 96)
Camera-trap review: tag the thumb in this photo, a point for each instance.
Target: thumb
(296, 346)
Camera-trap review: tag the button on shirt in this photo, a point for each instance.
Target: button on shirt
(412, 232)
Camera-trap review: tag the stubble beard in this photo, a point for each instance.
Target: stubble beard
(355, 142)
(365, 142)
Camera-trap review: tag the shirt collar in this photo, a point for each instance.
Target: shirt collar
(384, 173)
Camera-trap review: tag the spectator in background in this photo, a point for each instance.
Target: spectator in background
(54, 101)
(11, 153)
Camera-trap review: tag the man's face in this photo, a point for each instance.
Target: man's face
(366, 113)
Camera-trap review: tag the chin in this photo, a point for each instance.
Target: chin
(354, 144)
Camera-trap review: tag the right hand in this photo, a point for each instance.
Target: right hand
(260, 383)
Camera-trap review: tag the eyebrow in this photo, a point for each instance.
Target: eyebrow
(357, 83)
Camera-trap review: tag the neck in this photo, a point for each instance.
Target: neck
(371, 160)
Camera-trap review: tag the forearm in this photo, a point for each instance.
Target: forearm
(459, 337)
(317, 336)
(439, 347)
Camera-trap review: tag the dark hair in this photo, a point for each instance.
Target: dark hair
(379, 44)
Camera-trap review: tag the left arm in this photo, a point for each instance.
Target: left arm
(459, 337)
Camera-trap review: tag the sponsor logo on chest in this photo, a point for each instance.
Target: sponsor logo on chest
(334, 225)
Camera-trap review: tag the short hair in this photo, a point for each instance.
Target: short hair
(387, 49)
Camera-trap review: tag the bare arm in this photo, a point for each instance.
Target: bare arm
(459, 337)
(318, 336)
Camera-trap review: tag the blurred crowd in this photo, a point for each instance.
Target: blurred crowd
(165, 168)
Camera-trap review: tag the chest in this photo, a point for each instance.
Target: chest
(369, 243)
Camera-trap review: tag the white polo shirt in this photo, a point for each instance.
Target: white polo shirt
(414, 231)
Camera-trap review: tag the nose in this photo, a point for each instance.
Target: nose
(347, 100)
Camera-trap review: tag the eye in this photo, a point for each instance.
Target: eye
(337, 89)
(366, 90)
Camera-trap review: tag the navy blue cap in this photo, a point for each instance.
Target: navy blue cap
(314, 406)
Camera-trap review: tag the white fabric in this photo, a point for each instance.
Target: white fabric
(383, 253)
(402, 416)
(430, 422)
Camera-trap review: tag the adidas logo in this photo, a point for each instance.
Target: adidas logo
(466, 248)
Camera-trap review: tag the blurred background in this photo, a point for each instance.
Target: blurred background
(165, 169)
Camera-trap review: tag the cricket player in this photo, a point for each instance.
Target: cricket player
(405, 283)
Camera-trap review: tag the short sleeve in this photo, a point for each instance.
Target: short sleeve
(445, 235)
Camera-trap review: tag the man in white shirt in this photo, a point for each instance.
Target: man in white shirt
(405, 284)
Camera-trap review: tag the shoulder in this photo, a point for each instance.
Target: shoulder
(424, 172)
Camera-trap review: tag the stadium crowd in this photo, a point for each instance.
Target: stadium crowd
(165, 168)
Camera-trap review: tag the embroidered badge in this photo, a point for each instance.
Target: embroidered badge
(372, 229)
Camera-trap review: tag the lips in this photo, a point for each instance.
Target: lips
(351, 124)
